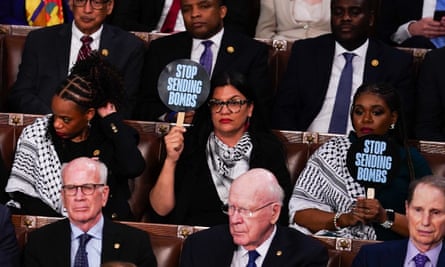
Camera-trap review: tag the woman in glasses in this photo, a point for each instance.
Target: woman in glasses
(228, 137)
(84, 122)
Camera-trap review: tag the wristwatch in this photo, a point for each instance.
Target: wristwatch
(389, 219)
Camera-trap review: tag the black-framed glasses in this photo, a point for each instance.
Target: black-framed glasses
(231, 209)
(95, 4)
(86, 189)
(234, 106)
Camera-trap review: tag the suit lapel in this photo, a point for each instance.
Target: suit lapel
(62, 47)
(62, 253)
(224, 58)
(372, 62)
(441, 260)
(111, 242)
(276, 255)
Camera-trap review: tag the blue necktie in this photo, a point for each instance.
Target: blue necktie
(439, 41)
(207, 56)
(81, 259)
(253, 254)
(340, 115)
(420, 260)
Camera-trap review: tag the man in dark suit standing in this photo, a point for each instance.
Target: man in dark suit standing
(252, 237)
(409, 23)
(86, 234)
(50, 52)
(230, 51)
(425, 212)
(306, 98)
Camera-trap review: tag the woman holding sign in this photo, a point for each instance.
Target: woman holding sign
(332, 198)
(84, 122)
(228, 138)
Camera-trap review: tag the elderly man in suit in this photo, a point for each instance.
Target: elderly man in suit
(252, 237)
(425, 212)
(50, 53)
(315, 95)
(229, 50)
(86, 235)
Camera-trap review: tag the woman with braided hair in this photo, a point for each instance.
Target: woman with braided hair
(85, 121)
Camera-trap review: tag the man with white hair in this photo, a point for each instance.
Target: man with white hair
(252, 237)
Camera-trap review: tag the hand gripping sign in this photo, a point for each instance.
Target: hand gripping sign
(372, 161)
(183, 86)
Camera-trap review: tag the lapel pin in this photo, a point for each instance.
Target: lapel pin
(279, 253)
(104, 52)
(96, 152)
(230, 49)
(117, 245)
(374, 62)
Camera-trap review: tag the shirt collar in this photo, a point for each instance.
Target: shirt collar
(359, 51)
(77, 34)
(432, 254)
(95, 231)
(216, 39)
(263, 248)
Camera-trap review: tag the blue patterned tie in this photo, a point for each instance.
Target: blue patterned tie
(253, 254)
(81, 259)
(420, 260)
(207, 56)
(439, 41)
(340, 115)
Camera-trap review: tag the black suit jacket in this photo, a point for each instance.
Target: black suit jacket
(51, 245)
(144, 15)
(214, 247)
(247, 56)
(431, 97)
(45, 63)
(387, 254)
(304, 86)
(394, 13)
(9, 250)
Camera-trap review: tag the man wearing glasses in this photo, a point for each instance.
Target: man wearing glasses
(86, 238)
(50, 53)
(253, 238)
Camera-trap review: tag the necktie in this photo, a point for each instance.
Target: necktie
(81, 259)
(85, 49)
(253, 254)
(439, 41)
(420, 260)
(206, 58)
(172, 15)
(339, 119)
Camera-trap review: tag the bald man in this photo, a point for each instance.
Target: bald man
(252, 236)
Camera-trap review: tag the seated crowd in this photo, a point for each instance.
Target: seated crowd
(87, 76)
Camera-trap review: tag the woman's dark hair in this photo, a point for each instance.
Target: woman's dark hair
(392, 99)
(92, 83)
(257, 123)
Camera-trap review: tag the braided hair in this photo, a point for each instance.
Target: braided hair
(92, 83)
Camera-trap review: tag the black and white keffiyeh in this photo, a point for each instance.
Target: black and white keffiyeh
(227, 163)
(36, 170)
(326, 184)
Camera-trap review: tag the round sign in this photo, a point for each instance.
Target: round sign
(183, 85)
(373, 160)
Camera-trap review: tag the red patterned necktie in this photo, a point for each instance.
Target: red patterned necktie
(170, 20)
(85, 49)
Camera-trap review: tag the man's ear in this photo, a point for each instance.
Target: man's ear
(276, 210)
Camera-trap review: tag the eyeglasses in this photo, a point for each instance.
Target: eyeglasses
(231, 209)
(234, 106)
(95, 4)
(86, 189)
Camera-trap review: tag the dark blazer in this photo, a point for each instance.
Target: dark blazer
(144, 15)
(9, 250)
(387, 254)
(392, 14)
(237, 52)
(51, 245)
(214, 247)
(430, 113)
(45, 65)
(305, 83)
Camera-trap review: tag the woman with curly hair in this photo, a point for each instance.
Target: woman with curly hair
(85, 121)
